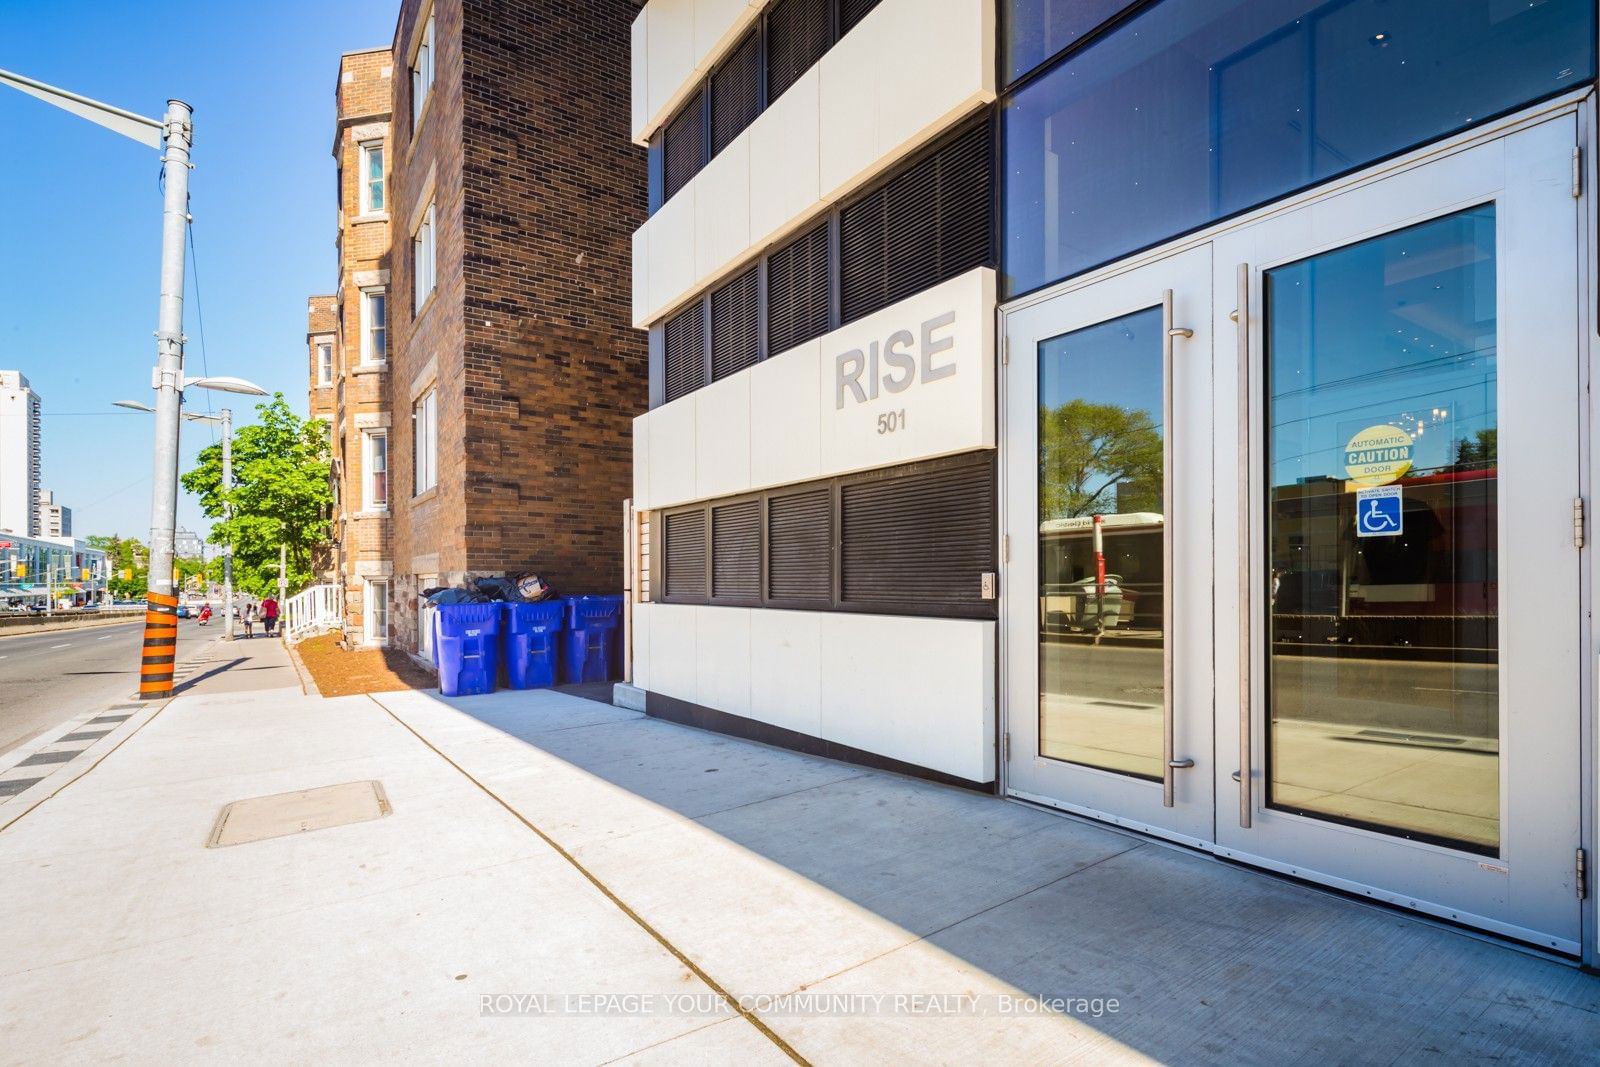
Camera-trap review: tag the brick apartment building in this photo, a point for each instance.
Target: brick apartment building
(514, 371)
(346, 335)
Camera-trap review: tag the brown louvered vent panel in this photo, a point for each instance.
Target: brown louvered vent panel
(733, 326)
(683, 148)
(736, 550)
(852, 12)
(800, 546)
(685, 563)
(797, 291)
(918, 539)
(736, 93)
(926, 224)
(798, 33)
(685, 352)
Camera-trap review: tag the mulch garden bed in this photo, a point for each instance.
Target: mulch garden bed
(340, 671)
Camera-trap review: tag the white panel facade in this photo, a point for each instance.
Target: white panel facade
(675, 44)
(670, 247)
(917, 690)
(948, 71)
(670, 434)
(721, 460)
(785, 159)
(786, 446)
(786, 669)
(853, 115)
(913, 381)
(722, 209)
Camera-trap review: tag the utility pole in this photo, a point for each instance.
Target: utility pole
(161, 616)
(227, 517)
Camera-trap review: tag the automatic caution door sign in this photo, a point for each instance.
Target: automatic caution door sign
(1378, 455)
(1378, 512)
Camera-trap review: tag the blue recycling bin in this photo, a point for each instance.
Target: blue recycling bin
(530, 643)
(589, 649)
(466, 648)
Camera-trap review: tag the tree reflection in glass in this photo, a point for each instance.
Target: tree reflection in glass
(1101, 580)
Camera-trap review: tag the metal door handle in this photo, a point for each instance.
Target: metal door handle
(1168, 332)
(1242, 776)
(1180, 764)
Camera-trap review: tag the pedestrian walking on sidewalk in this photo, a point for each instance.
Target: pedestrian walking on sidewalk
(269, 614)
(248, 617)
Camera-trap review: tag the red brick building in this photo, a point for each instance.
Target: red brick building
(347, 336)
(514, 371)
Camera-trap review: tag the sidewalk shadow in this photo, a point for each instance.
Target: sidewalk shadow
(1208, 961)
(221, 668)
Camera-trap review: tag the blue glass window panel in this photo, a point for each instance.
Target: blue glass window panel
(1197, 109)
(1035, 30)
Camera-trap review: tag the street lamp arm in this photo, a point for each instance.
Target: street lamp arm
(225, 384)
(145, 131)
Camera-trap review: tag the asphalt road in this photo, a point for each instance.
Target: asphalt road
(47, 678)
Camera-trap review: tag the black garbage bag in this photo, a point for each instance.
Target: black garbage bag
(498, 588)
(455, 596)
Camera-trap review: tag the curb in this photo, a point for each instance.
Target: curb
(308, 684)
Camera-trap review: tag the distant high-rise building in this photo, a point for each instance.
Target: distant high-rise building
(55, 520)
(187, 544)
(19, 455)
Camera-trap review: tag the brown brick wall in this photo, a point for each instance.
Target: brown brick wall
(359, 399)
(538, 373)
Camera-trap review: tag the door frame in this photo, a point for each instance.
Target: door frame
(1180, 286)
(1582, 104)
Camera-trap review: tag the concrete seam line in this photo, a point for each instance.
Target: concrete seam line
(639, 920)
(157, 710)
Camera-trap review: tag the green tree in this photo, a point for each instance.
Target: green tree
(1097, 459)
(280, 497)
(123, 555)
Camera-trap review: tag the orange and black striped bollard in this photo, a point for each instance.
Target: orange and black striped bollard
(160, 646)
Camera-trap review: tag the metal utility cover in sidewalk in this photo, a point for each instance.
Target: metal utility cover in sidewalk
(282, 814)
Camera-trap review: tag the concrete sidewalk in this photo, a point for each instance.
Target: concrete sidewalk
(544, 847)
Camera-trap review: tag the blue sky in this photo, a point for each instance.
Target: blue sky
(80, 243)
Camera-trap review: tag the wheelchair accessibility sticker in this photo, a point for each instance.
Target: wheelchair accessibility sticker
(1378, 512)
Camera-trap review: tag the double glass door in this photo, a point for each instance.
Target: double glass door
(1292, 574)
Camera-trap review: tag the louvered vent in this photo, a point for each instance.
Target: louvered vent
(799, 547)
(736, 550)
(797, 35)
(926, 224)
(736, 93)
(797, 291)
(683, 148)
(852, 12)
(685, 562)
(685, 352)
(918, 539)
(733, 326)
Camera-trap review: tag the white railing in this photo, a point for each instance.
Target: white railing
(312, 611)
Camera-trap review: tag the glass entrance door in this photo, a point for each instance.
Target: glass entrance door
(1291, 568)
(1399, 686)
(1108, 508)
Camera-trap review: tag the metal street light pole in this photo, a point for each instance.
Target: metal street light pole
(161, 618)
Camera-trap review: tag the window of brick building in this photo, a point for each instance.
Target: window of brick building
(372, 177)
(376, 622)
(375, 461)
(423, 260)
(374, 326)
(324, 364)
(425, 438)
(422, 72)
